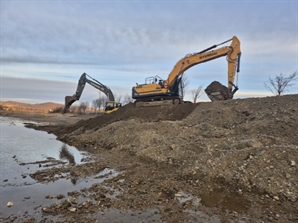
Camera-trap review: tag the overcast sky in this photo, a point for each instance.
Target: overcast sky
(47, 45)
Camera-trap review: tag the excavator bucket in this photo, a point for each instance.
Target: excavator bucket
(69, 100)
(218, 92)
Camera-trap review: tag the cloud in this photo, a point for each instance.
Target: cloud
(122, 42)
(130, 32)
(33, 90)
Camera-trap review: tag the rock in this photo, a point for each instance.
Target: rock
(173, 147)
(72, 209)
(9, 204)
(178, 195)
(47, 196)
(73, 200)
(60, 196)
(86, 204)
(293, 163)
(95, 185)
(276, 216)
(47, 210)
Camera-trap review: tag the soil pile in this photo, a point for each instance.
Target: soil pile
(222, 161)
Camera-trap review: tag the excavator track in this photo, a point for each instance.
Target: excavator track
(152, 103)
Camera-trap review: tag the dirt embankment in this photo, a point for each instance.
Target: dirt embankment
(236, 159)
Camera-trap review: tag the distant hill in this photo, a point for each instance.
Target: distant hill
(25, 107)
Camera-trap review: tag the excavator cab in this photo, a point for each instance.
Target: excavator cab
(112, 106)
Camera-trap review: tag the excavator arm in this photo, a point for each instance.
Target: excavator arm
(231, 52)
(85, 78)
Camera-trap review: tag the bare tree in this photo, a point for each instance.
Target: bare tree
(280, 84)
(127, 99)
(196, 93)
(74, 109)
(94, 105)
(100, 102)
(118, 98)
(184, 83)
(83, 107)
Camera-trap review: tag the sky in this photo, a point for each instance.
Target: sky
(47, 45)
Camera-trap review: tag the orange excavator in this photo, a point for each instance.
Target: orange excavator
(156, 91)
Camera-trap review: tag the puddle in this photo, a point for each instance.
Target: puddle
(227, 200)
(35, 194)
(114, 215)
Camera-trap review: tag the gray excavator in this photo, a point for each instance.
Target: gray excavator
(110, 106)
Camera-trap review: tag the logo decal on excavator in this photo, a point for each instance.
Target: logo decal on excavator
(208, 55)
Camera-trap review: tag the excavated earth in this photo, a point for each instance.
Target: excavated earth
(224, 161)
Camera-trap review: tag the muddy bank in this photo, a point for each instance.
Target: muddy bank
(231, 161)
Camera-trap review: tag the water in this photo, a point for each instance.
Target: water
(20, 145)
(23, 151)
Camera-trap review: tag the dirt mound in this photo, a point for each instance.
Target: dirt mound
(129, 111)
(236, 159)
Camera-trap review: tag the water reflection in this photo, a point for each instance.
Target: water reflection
(74, 181)
(64, 153)
(24, 150)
